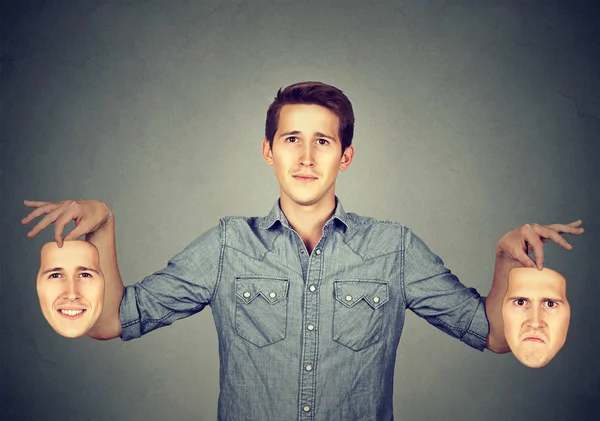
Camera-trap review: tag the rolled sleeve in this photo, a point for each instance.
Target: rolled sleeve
(435, 294)
(180, 290)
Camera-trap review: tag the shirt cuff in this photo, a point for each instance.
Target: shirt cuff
(478, 330)
(129, 315)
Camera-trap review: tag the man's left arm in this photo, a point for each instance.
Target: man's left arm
(512, 250)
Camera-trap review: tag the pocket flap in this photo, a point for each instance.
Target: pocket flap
(349, 293)
(272, 289)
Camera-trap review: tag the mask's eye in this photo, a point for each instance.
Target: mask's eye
(86, 275)
(551, 304)
(323, 141)
(520, 302)
(291, 139)
(54, 275)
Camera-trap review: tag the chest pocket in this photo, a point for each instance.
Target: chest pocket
(358, 312)
(261, 309)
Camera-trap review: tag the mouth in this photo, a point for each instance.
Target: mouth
(534, 339)
(71, 314)
(301, 177)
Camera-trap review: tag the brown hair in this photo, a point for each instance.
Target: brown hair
(316, 93)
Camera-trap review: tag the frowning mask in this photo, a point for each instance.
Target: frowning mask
(536, 314)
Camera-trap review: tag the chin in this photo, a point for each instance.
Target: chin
(536, 364)
(71, 334)
(534, 361)
(304, 200)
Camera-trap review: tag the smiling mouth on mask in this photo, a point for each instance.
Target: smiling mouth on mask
(71, 314)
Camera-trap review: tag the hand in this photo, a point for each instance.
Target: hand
(89, 215)
(518, 243)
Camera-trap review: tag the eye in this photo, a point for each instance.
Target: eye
(86, 275)
(551, 304)
(323, 141)
(520, 302)
(54, 275)
(291, 139)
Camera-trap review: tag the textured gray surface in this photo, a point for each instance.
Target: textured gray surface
(473, 118)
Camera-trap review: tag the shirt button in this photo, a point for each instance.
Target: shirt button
(348, 297)
(306, 408)
(308, 367)
(375, 299)
(310, 327)
(312, 288)
(246, 294)
(318, 251)
(273, 295)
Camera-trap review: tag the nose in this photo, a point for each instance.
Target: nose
(536, 319)
(307, 155)
(71, 292)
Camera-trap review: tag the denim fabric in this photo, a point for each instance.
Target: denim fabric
(306, 336)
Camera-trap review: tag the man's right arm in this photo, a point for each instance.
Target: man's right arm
(108, 325)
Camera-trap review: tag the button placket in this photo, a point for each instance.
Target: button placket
(310, 337)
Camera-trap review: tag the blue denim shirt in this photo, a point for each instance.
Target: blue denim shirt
(306, 336)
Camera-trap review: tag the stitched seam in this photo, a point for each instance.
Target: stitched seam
(223, 224)
(402, 266)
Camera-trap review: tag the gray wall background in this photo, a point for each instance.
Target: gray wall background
(472, 118)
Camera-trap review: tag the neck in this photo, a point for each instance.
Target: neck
(308, 220)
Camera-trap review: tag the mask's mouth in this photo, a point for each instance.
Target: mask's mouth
(71, 314)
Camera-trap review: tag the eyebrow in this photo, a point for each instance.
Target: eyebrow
(318, 134)
(544, 299)
(78, 268)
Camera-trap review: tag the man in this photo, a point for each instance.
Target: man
(536, 315)
(309, 301)
(70, 287)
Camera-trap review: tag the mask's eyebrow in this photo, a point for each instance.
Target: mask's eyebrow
(556, 300)
(78, 268)
(543, 299)
(517, 298)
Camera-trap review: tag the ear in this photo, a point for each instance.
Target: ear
(267, 153)
(347, 157)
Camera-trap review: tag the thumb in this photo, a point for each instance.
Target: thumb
(524, 259)
(75, 234)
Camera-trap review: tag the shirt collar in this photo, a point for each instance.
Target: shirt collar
(277, 215)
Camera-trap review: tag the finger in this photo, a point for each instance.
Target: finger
(523, 257)
(572, 228)
(59, 225)
(40, 211)
(533, 243)
(550, 234)
(538, 248)
(44, 222)
(34, 203)
(75, 234)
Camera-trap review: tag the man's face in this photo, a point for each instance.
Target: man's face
(536, 315)
(307, 154)
(70, 286)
